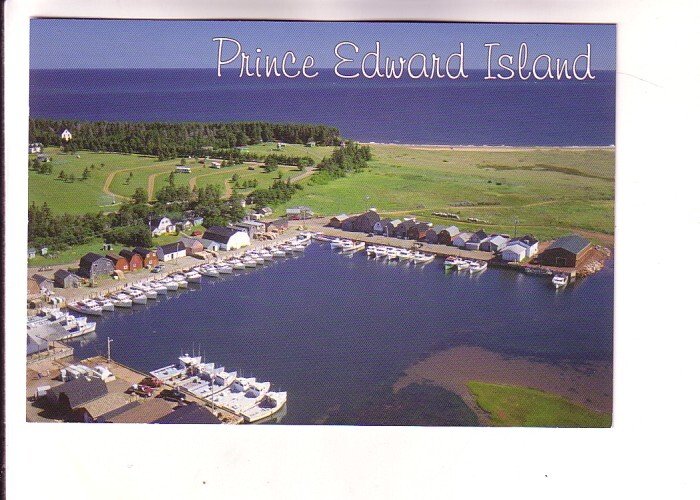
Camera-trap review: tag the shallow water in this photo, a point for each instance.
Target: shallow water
(330, 328)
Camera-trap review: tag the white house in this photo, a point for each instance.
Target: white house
(514, 252)
(66, 135)
(161, 226)
(171, 251)
(530, 243)
(225, 238)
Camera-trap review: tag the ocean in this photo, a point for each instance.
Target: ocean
(333, 329)
(455, 112)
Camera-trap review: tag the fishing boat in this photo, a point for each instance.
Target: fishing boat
(207, 271)
(380, 251)
(371, 251)
(322, 238)
(122, 300)
(149, 292)
(105, 304)
(452, 261)
(297, 247)
(276, 252)
(392, 253)
(336, 243)
(137, 296)
(269, 404)
(560, 280)
(354, 246)
(462, 264)
(237, 264)
(248, 262)
(422, 258)
(89, 307)
(180, 280)
(265, 254)
(193, 277)
(477, 266)
(224, 268)
(170, 284)
(159, 287)
(404, 254)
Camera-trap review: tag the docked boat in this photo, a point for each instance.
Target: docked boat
(237, 264)
(380, 251)
(352, 246)
(276, 252)
(269, 404)
(248, 262)
(477, 266)
(337, 242)
(423, 258)
(371, 251)
(193, 277)
(404, 254)
(122, 300)
(302, 239)
(207, 271)
(105, 304)
(180, 280)
(462, 264)
(297, 247)
(170, 284)
(224, 268)
(452, 261)
(265, 254)
(137, 296)
(89, 307)
(392, 253)
(149, 292)
(560, 280)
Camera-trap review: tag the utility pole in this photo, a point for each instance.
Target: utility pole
(109, 349)
(516, 228)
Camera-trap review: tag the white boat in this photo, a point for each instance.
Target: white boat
(86, 307)
(224, 268)
(207, 271)
(302, 239)
(477, 266)
(248, 262)
(149, 292)
(452, 261)
(122, 300)
(276, 252)
(137, 296)
(106, 304)
(269, 404)
(237, 264)
(170, 284)
(297, 247)
(336, 242)
(180, 280)
(159, 287)
(404, 254)
(462, 264)
(392, 253)
(193, 277)
(266, 255)
(422, 258)
(371, 250)
(380, 251)
(352, 246)
(560, 280)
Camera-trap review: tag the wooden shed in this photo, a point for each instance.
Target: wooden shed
(418, 231)
(93, 265)
(566, 251)
(338, 220)
(119, 262)
(447, 235)
(134, 260)
(149, 258)
(403, 227)
(65, 279)
(365, 222)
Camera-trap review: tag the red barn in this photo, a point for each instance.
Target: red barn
(120, 263)
(135, 260)
(148, 257)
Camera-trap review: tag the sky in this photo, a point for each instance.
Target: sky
(77, 43)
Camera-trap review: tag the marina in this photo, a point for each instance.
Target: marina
(261, 321)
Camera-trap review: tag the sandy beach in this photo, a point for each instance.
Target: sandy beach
(589, 385)
(484, 148)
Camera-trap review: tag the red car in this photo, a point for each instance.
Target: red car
(152, 382)
(142, 390)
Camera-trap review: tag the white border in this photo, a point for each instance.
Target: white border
(655, 360)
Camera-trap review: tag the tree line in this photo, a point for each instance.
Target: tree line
(170, 140)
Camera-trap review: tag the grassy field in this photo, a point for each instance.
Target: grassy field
(523, 407)
(549, 191)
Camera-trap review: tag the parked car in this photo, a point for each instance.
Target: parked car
(158, 268)
(142, 390)
(173, 396)
(151, 382)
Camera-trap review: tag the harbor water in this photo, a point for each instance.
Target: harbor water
(331, 328)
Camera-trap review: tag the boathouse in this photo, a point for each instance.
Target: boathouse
(134, 260)
(567, 251)
(65, 279)
(403, 227)
(338, 220)
(72, 395)
(365, 222)
(299, 213)
(461, 239)
(432, 235)
(476, 239)
(192, 245)
(225, 238)
(119, 262)
(418, 231)
(171, 251)
(44, 283)
(93, 265)
(494, 243)
(148, 257)
(447, 235)
(514, 252)
(530, 243)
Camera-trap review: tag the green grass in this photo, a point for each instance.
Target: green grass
(523, 407)
(316, 152)
(67, 256)
(537, 187)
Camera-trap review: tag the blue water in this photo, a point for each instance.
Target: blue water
(473, 111)
(330, 328)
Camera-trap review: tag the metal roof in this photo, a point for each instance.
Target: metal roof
(81, 391)
(572, 243)
(189, 414)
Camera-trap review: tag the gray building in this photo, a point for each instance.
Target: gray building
(93, 265)
(65, 279)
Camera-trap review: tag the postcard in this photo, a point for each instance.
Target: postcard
(321, 223)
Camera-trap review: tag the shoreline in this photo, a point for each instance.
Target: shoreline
(587, 384)
(484, 147)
